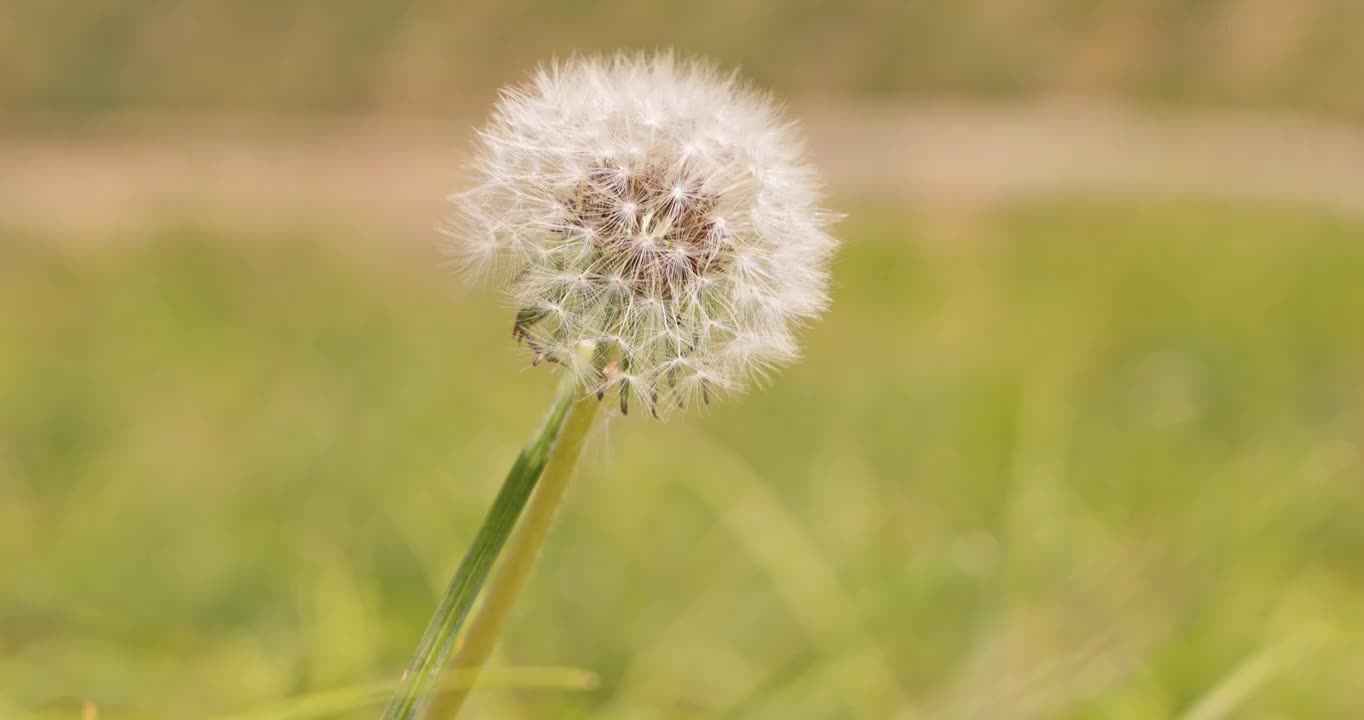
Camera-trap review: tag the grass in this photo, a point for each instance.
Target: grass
(1078, 460)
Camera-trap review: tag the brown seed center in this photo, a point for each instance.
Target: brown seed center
(650, 227)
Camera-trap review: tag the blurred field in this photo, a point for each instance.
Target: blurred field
(1082, 437)
(1071, 459)
(428, 56)
(113, 178)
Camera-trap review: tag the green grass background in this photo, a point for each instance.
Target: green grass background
(1073, 459)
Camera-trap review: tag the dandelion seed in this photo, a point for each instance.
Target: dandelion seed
(658, 209)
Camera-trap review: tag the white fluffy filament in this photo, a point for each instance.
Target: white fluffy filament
(658, 209)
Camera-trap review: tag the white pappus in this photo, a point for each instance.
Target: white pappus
(658, 209)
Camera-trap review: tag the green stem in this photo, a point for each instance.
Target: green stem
(479, 640)
(422, 676)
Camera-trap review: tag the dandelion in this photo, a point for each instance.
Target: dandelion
(661, 239)
(656, 209)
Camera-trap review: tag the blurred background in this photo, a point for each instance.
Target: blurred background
(1082, 437)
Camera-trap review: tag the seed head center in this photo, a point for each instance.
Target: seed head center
(652, 225)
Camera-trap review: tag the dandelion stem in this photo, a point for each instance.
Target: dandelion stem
(422, 677)
(480, 638)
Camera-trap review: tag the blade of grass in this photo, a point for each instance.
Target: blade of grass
(341, 700)
(511, 574)
(422, 676)
(1228, 696)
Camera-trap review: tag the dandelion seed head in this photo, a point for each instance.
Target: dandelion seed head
(658, 209)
